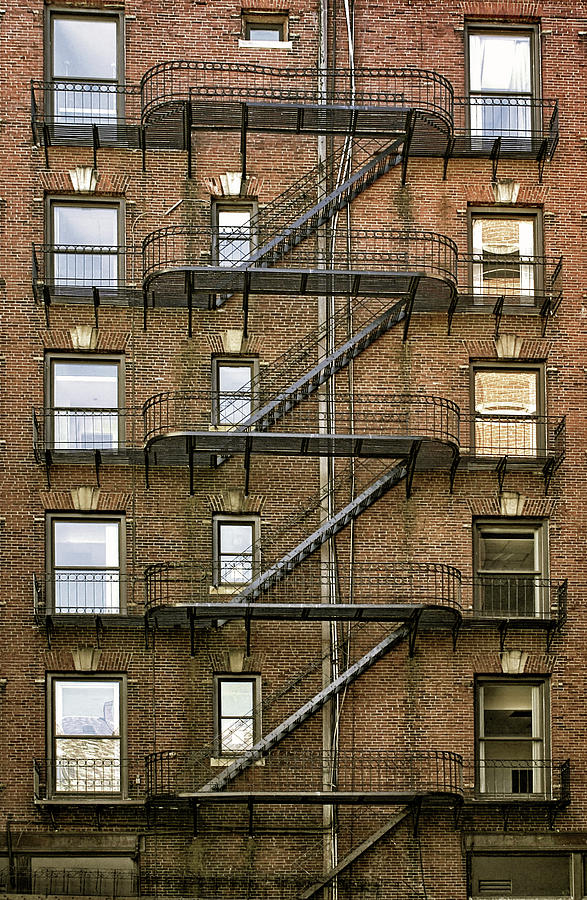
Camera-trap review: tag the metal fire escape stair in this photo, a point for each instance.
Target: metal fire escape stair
(262, 747)
(328, 529)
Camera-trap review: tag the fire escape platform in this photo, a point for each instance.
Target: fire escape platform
(335, 798)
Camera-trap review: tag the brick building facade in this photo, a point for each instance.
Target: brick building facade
(292, 464)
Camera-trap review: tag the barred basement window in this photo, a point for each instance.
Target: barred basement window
(85, 63)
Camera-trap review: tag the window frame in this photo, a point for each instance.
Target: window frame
(539, 369)
(54, 678)
(219, 679)
(512, 213)
(50, 570)
(504, 525)
(55, 12)
(252, 18)
(245, 519)
(224, 204)
(235, 362)
(532, 30)
(541, 783)
(90, 358)
(117, 203)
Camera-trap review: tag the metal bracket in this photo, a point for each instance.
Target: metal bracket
(453, 469)
(413, 623)
(48, 462)
(494, 157)
(498, 313)
(541, 158)
(416, 812)
(247, 463)
(452, 310)
(501, 472)
(414, 282)
(95, 144)
(96, 301)
(456, 630)
(49, 629)
(450, 146)
(46, 143)
(503, 630)
(97, 464)
(551, 633)
(410, 123)
(47, 303)
(99, 630)
(411, 466)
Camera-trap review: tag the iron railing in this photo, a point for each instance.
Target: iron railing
(404, 88)
(86, 272)
(86, 778)
(524, 436)
(171, 772)
(421, 415)
(173, 584)
(524, 126)
(106, 592)
(519, 780)
(522, 280)
(110, 430)
(70, 881)
(502, 596)
(69, 109)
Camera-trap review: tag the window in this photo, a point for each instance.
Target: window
(512, 730)
(521, 875)
(233, 233)
(265, 28)
(509, 405)
(505, 260)
(85, 240)
(85, 63)
(236, 553)
(85, 565)
(237, 717)
(86, 735)
(233, 390)
(84, 399)
(503, 80)
(511, 568)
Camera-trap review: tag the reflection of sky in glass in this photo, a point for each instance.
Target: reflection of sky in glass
(89, 226)
(84, 48)
(85, 385)
(84, 708)
(86, 544)
(235, 538)
(236, 711)
(508, 552)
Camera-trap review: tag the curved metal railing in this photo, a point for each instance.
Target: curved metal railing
(409, 415)
(171, 772)
(177, 81)
(184, 584)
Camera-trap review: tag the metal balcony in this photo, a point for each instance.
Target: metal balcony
(58, 881)
(364, 777)
(76, 435)
(179, 268)
(507, 284)
(95, 275)
(510, 782)
(177, 428)
(89, 781)
(177, 593)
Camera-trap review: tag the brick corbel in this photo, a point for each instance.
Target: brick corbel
(108, 501)
(235, 502)
(62, 339)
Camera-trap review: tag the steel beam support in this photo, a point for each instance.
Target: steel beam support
(243, 147)
(498, 313)
(450, 146)
(410, 123)
(501, 472)
(96, 303)
(414, 282)
(494, 157)
(47, 303)
(46, 143)
(411, 467)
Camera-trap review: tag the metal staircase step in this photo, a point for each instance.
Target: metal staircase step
(262, 747)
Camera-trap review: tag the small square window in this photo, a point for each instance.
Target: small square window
(506, 261)
(84, 403)
(85, 239)
(236, 549)
(265, 28)
(511, 568)
(233, 233)
(238, 724)
(86, 736)
(85, 62)
(509, 410)
(502, 84)
(233, 392)
(85, 565)
(512, 738)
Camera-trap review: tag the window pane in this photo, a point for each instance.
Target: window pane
(87, 226)
(85, 386)
(500, 62)
(84, 48)
(506, 392)
(234, 401)
(236, 735)
(503, 552)
(87, 766)
(86, 544)
(87, 708)
(264, 33)
(504, 256)
(234, 236)
(236, 698)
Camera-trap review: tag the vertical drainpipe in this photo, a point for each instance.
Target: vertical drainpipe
(325, 408)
